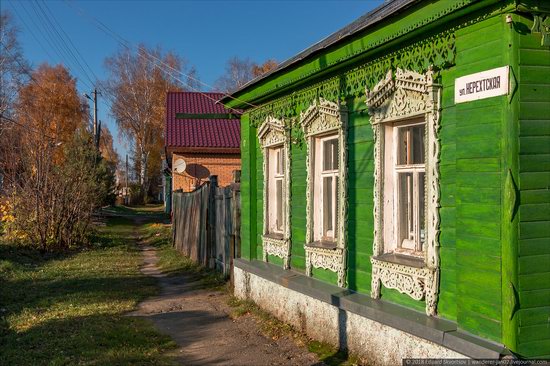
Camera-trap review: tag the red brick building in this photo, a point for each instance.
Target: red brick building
(205, 135)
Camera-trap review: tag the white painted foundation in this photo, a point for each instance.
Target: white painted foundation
(373, 342)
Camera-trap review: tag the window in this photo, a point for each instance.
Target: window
(276, 202)
(324, 124)
(409, 175)
(404, 111)
(326, 188)
(274, 140)
(404, 192)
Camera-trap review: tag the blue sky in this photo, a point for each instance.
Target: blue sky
(206, 33)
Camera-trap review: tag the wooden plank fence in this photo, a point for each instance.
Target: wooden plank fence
(206, 224)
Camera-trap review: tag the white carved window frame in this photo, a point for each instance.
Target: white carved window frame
(407, 95)
(324, 118)
(273, 134)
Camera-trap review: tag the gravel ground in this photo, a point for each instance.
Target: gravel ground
(198, 320)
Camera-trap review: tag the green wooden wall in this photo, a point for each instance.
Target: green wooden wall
(534, 185)
(478, 133)
(490, 250)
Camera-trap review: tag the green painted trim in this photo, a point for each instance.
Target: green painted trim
(510, 195)
(397, 30)
(206, 116)
(253, 183)
(246, 212)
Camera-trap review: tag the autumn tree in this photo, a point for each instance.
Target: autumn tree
(259, 70)
(13, 73)
(51, 104)
(13, 67)
(47, 111)
(240, 71)
(56, 176)
(106, 147)
(52, 201)
(138, 82)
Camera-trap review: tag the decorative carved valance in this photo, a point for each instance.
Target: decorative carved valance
(402, 96)
(397, 98)
(272, 132)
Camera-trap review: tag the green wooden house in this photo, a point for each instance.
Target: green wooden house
(396, 183)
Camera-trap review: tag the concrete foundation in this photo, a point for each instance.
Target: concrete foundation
(374, 342)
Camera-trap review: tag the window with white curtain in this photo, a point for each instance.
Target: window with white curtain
(276, 181)
(404, 188)
(326, 175)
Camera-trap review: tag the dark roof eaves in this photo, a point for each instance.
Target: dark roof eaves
(387, 8)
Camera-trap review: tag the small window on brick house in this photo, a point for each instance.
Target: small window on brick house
(276, 180)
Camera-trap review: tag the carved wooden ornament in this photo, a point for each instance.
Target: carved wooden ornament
(320, 118)
(407, 95)
(273, 133)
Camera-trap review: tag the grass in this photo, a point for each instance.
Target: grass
(275, 329)
(68, 308)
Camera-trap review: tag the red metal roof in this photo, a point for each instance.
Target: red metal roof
(200, 131)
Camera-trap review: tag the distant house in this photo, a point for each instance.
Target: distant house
(203, 137)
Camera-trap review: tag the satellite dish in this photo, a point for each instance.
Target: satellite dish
(179, 166)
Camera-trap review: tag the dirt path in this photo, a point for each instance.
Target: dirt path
(198, 321)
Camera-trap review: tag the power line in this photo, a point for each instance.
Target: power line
(55, 47)
(59, 47)
(31, 128)
(61, 40)
(70, 41)
(48, 38)
(127, 45)
(22, 19)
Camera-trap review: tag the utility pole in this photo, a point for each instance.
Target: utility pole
(96, 127)
(126, 191)
(95, 113)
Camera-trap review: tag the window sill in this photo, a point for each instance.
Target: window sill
(277, 236)
(403, 259)
(324, 244)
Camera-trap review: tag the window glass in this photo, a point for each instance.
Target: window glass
(280, 161)
(279, 195)
(422, 210)
(406, 224)
(275, 199)
(417, 137)
(410, 148)
(335, 205)
(327, 203)
(330, 154)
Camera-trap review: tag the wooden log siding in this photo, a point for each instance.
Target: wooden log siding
(490, 257)
(534, 209)
(478, 181)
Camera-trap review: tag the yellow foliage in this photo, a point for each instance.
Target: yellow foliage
(7, 219)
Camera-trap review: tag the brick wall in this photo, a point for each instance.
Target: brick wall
(201, 166)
